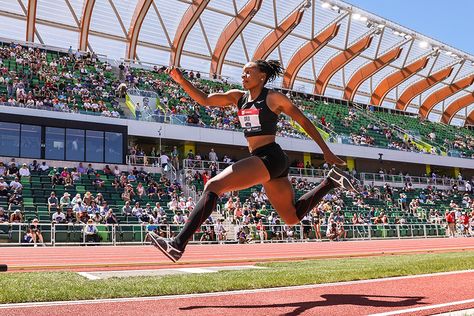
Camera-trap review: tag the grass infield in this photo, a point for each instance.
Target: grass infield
(60, 286)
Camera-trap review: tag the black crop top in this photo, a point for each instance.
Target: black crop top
(255, 116)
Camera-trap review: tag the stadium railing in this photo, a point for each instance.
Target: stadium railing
(121, 234)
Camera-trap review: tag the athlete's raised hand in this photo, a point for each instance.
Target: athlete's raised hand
(175, 74)
(332, 159)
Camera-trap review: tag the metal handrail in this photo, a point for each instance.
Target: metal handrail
(119, 234)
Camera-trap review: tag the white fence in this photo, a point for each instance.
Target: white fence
(68, 234)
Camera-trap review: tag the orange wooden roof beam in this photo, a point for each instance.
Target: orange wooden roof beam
(393, 80)
(421, 86)
(339, 61)
(230, 33)
(31, 20)
(138, 17)
(369, 70)
(455, 106)
(305, 52)
(444, 93)
(85, 24)
(190, 17)
(271, 41)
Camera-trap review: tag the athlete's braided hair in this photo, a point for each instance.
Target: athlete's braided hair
(272, 68)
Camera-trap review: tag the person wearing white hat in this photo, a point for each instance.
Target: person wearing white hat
(24, 171)
(91, 232)
(76, 199)
(65, 201)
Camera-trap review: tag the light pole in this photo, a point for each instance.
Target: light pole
(159, 135)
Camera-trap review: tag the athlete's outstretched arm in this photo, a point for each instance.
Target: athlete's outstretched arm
(230, 97)
(284, 105)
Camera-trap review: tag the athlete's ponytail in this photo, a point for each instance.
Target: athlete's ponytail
(272, 68)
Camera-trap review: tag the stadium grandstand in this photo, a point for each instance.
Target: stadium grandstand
(99, 146)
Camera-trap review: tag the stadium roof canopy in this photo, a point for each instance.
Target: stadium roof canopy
(328, 47)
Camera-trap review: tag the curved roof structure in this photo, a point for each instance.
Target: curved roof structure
(222, 35)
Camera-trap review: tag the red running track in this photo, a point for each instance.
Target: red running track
(135, 257)
(398, 295)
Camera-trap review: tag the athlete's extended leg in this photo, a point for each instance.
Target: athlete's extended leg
(280, 194)
(241, 175)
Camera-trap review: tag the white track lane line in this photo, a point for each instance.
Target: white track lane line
(88, 276)
(465, 312)
(239, 292)
(424, 308)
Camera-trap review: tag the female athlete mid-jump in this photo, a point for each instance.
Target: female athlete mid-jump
(258, 111)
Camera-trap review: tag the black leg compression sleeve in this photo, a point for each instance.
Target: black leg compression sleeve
(201, 212)
(309, 200)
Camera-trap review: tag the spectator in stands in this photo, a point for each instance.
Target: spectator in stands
(331, 232)
(213, 155)
(53, 202)
(64, 173)
(110, 218)
(15, 199)
(99, 199)
(464, 223)
(107, 171)
(68, 181)
(261, 230)
(12, 170)
(164, 161)
(79, 207)
(43, 168)
(65, 201)
(58, 217)
(15, 184)
(96, 217)
(451, 220)
(24, 171)
(3, 216)
(98, 182)
(88, 198)
(221, 231)
(127, 209)
(16, 217)
(90, 171)
(35, 232)
(74, 176)
(4, 187)
(140, 190)
(306, 223)
(93, 208)
(137, 210)
(175, 157)
(103, 208)
(3, 169)
(128, 193)
(116, 172)
(91, 232)
(131, 177)
(178, 218)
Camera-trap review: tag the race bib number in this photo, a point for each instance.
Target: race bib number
(249, 120)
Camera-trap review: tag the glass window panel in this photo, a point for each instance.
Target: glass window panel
(113, 147)
(9, 139)
(75, 144)
(30, 141)
(94, 146)
(54, 143)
